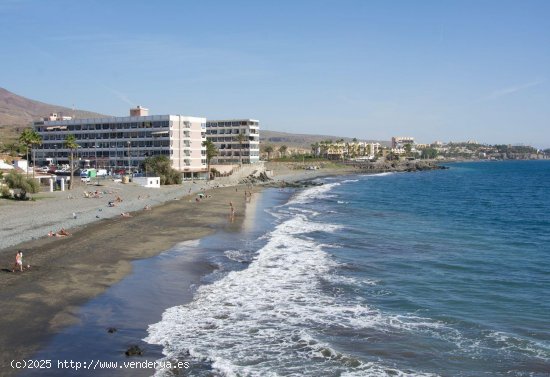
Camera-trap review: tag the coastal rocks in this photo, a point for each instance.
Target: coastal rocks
(253, 179)
(134, 351)
(298, 184)
(399, 166)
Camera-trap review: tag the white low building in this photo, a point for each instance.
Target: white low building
(152, 182)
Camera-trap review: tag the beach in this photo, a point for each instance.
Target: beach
(67, 271)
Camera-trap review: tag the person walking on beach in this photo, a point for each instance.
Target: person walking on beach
(231, 212)
(18, 261)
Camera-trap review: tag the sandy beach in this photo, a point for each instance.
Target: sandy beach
(67, 271)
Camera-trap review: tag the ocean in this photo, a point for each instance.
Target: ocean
(437, 273)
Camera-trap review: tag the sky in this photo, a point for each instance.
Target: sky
(435, 70)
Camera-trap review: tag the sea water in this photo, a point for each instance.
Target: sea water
(439, 273)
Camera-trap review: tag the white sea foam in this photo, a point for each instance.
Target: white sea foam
(510, 343)
(312, 193)
(263, 321)
(379, 174)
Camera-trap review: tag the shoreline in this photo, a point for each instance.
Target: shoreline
(68, 272)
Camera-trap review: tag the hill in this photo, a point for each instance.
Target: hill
(17, 112)
(291, 140)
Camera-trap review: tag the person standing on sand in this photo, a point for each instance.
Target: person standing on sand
(18, 261)
(231, 212)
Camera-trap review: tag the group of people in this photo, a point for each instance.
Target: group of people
(61, 233)
(95, 194)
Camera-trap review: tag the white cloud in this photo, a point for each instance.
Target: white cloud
(123, 97)
(511, 89)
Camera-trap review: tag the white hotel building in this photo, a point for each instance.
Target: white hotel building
(224, 134)
(124, 142)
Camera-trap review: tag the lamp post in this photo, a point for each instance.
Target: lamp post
(95, 150)
(129, 166)
(95, 154)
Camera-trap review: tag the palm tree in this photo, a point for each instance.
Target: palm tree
(240, 138)
(282, 150)
(30, 138)
(211, 151)
(70, 143)
(268, 149)
(315, 149)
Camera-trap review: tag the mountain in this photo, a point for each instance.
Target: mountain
(19, 111)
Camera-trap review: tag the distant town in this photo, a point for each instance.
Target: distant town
(123, 143)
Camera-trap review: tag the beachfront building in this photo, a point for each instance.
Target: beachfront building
(401, 141)
(340, 150)
(232, 148)
(122, 143)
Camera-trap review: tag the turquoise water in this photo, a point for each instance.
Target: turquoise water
(433, 273)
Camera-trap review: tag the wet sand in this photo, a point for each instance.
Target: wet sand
(66, 272)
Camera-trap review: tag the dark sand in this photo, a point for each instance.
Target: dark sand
(66, 272)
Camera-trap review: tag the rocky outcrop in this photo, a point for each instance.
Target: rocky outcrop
(398, 166)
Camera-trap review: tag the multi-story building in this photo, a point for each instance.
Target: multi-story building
(399, 142)
(122, 143)
(232, 148)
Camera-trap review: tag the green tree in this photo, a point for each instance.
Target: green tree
(315, 149)
(407, 148)
(29, 138)
(282, 150)
(392, 156)
(70, 143)
(16, 181)
(241, 138)
(11, 148)
(211, 151)
(268, 149)
(429, 153)
(161, 166)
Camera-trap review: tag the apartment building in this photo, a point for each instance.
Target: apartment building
(401, 141)
(234, 149)
(122, 143)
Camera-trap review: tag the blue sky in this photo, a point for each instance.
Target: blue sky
(436, 70)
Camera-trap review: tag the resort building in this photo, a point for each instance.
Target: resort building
(122, 143)
(233, 148)
(398, 142)
(355, 150)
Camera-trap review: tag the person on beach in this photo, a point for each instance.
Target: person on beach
(18, 261)
(231, 212)
(125, 214)
(147, 207)
(63, 233)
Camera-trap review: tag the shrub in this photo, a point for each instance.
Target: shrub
(5, 192)
(24, 185)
